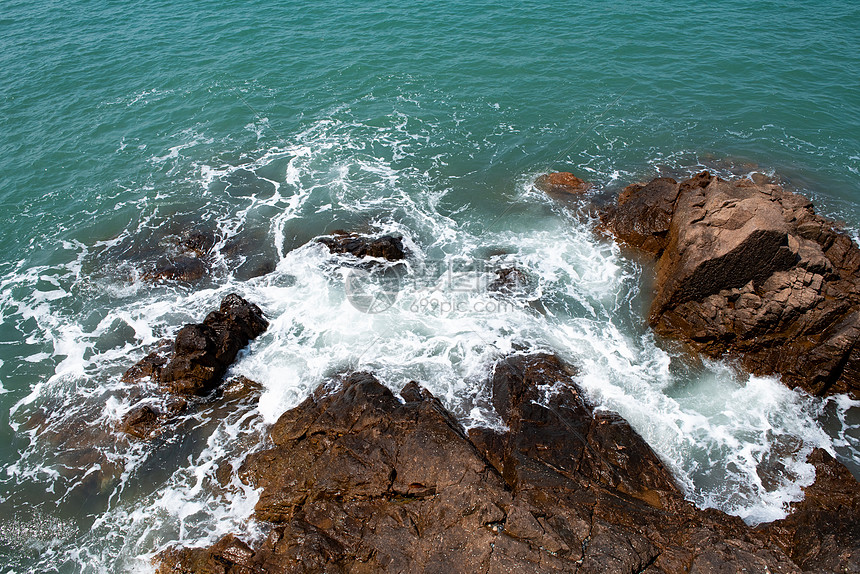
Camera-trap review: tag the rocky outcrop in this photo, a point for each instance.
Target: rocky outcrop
(749, 270)
(359, 480)
(202, 352)
(561, 183)
(384, 247)
(822, 533)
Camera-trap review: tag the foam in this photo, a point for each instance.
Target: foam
(715, 428)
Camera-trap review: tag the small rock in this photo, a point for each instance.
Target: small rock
(384, 247)
(142, 422)
(561, 183)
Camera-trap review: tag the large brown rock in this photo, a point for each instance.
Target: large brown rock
(197, 360)
(749, 270)
(203, 351)
(360, 480)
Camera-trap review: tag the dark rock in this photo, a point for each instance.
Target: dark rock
(203, 351)
(147, 422)
(197, 241)
(509, 280)
(749, 270)
(228, 555)
(180, 268)
(151, 365)
(644, 213)
(240, 387)
(186, 257)
(384, 247)
(561, 183)
(822, 533)
(142, 422)
(360, 481)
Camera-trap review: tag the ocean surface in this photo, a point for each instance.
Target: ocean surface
(125, 126)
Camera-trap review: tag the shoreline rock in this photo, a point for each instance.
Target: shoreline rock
(386, 247)
(749, 270)
(195, 363)
(359, 480)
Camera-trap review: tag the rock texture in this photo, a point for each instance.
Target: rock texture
(822, 533)
(359, 480)
(561, 183)
(384, 247)
(202, 352)
(187, 258)
(749, 270)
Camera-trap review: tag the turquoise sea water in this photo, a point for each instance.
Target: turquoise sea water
(126, 124)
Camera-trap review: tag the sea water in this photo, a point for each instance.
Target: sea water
(124, 126)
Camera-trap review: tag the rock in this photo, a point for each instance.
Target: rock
(180, 268)
(151, 365)
(142, 422)
(197, 241)
(749, 270)
(187, 258)
(361, 481)
(509, 280)
(147, 422)
(227, 555)
(822, 533)
(240, 387)
(644, 213)
(203, 351)
(384, 247)
(193, 364)
(561, 183)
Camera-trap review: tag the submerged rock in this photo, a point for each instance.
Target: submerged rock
(749, 270)
(509, 280)
(360, 480)
(561, 183)
(180, 268)
(186, 257)
(384, 247)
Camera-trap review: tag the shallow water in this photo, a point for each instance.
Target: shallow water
(127, 126)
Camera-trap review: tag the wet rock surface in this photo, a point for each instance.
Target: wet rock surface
(822, 533)
(360, 480)
(197, 360)
(384, 247)
(147, 421)
(186, 258)
(561, 183)
(203, 351)
(749, 270)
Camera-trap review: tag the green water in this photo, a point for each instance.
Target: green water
(123, 123)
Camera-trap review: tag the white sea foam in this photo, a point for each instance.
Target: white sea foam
(736, 443)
